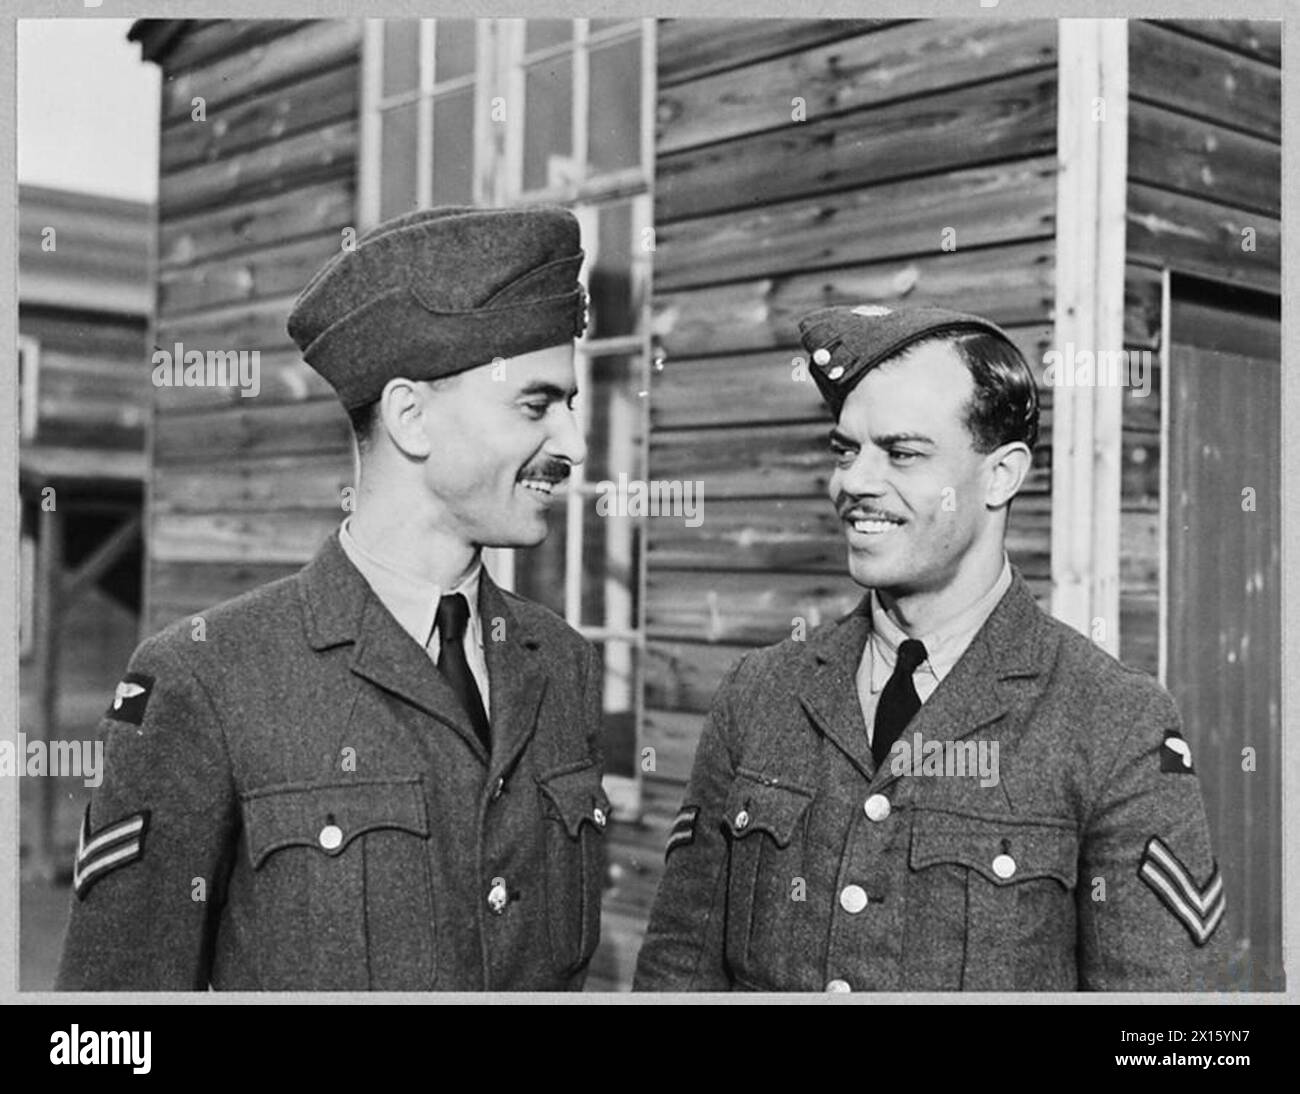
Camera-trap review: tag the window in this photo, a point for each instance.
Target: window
(511, 111)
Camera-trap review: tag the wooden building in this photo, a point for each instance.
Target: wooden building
(85, 296)
(1104, 186)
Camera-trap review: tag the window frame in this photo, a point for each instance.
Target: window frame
(500, 73)
(29, 386)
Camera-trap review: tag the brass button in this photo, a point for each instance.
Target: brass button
(836, 372)
(331, 837)
(742, 819)
(853, 898)
(1004, 866)
(598, 815)
(838, 986)
(497, 897)
(876, 807)
(821, 356)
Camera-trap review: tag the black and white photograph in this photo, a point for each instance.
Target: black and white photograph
(649, 504)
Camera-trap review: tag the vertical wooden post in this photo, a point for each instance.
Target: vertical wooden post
(1092, 151)
(1166, 453)
(49, 576)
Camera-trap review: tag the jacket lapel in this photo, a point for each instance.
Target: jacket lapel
(979, 689)
(828, 691)
(516, 676)
(977, 692)
(340, 607)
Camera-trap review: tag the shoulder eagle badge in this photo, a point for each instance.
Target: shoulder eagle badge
(130, 698)
(1176, 755)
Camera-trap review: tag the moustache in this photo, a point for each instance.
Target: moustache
(846, 503)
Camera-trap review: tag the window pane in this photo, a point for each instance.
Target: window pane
(539, 571)
(401, 55)
(543, 33)
(613, 311)
(397, 171)
(621, 663)
(548, 119)
(453, 53)
(616, 420)
(614, 141)
(453, 148)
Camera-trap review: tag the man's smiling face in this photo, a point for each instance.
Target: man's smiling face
(909, 486)
(503, 440)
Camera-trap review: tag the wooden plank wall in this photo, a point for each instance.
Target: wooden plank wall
(910, 128)
(1205, 129)
(1205, 165)
(252, 200)
(87, 303)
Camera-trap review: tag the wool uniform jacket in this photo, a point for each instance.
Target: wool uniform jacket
(798, 865)
(298, 801)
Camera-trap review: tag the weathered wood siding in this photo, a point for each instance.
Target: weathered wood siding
(251, 201)
(84, 267)
(909, 129)
(1205, 128)
(1204, 199)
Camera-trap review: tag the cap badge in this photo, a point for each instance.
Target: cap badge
(872, 311)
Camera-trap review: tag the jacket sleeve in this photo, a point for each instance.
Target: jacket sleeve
(593, 724)
(1150, 894)
(683, 948)
(157, 838)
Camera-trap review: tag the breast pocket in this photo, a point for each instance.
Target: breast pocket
(991, 902)
(575, 811)
(342, 884)
(765, 879)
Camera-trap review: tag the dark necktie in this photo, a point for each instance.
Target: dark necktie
(898, 701)
(453, 617)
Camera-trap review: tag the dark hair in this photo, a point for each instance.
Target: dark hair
(363, 423)
(1004, 407)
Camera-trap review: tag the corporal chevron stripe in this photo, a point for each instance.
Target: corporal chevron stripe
(112, 846)
(683, 830)
(1198, 907)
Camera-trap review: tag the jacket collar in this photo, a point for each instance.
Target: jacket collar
(340, 608)
(1012, 644)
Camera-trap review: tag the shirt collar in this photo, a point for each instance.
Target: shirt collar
(410, 599)
(944, 645)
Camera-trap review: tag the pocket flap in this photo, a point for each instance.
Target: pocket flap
(329, 816)
(764, 806)
(577, 796)
(1005, 850)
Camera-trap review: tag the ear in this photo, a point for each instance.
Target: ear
(402, 415)
(1008, 466)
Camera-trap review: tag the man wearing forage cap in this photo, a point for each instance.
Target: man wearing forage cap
(947, 789)
(383, 772)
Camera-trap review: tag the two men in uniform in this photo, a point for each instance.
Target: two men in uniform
(383, 772)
